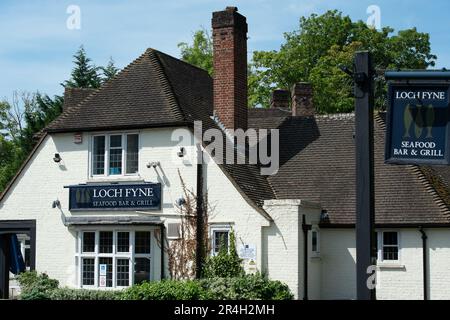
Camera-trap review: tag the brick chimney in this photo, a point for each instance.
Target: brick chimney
(302, 104)
(280, 99)
(230, 68)
(73, 96)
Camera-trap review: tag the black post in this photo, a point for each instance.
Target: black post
(4, 265)
(365, 213)
(424, 263)
(199, 226)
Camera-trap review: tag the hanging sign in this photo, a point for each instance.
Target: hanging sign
(417, 123)
(115, 197)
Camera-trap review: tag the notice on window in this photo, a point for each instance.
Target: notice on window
(102, 281)
(103, 269)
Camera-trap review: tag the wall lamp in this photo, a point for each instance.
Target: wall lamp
(324, 215)
(182, 152)
(180, 201)
(55, 204)
(57, 158)
(153, 164)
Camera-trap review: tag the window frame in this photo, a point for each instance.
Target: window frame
(115, 255)
(213, 230)
(124, 145)
(380, 251)
(315, 253)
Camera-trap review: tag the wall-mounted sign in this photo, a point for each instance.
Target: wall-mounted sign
(247, 252)
(78, 138)
(418, 123)
(115, 197)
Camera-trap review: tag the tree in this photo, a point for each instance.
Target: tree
(28, 113)
(84, 74)
(314, 52)
(110, 71)
(200, 53)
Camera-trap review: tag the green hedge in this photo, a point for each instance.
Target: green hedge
(83, 294)
(247, 287)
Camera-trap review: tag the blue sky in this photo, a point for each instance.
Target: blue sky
(36, 47)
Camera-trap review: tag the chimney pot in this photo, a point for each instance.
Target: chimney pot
(280, 99)
(302, 104)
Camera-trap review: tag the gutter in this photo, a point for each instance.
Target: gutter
(199, 208)
(305, 228)
(425, 263)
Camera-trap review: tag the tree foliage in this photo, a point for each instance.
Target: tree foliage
(26, 114)
(200, 53)
(315, 51)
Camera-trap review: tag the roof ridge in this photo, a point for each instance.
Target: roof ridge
(423, 177)
(70, 111)
(165, 83)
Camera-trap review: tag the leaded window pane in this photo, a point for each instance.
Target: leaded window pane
(132, 153)
(106, 242)
(142, 242)
(98, 155)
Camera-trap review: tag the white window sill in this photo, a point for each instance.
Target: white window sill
(115, 179)
(391, 265)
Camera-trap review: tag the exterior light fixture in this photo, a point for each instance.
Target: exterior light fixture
(55, 204)
(153, 164)
(324, 215)
(180, 201)
(182, 152)
(57, 158)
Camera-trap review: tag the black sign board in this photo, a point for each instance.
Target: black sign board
(115, 197)
(417, 123)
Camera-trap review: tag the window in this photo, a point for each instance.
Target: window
(315, 243)
(89, 242)
(98, 155)
(389, 246)
(114, 258)
(220, 237)
(115, 154)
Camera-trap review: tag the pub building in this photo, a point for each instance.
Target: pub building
(103, 185)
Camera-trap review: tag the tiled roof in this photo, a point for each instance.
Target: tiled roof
(317, 163)
(158, 90)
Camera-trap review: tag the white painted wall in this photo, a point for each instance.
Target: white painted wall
(396, 281)
(43, 181)
(284, 242)
(278, 242)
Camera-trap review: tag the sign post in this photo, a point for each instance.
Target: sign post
(365, 213)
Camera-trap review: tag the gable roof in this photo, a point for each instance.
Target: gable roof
(157, 90)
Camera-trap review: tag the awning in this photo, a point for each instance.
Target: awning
(111, 220)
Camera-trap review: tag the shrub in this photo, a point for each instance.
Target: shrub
(248, 287)
(226, 264)
(165, 290)
(83, 294)
(36, 286)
